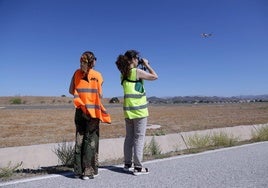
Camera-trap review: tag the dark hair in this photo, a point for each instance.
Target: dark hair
(122, 61)
(131, 54)
(88, 57)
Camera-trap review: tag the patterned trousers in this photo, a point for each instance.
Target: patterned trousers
(86, 161)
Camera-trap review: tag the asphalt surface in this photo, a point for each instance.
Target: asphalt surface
(241, 166)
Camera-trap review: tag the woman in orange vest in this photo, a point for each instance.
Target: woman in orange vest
(86, 87)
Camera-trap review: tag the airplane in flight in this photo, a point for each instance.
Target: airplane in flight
(206, 35)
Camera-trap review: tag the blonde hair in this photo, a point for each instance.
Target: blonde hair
(89, 58)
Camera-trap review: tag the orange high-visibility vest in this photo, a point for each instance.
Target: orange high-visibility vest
(88, 94)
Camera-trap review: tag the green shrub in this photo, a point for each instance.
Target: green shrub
(16, 101)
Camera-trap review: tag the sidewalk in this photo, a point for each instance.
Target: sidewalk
(36, 156)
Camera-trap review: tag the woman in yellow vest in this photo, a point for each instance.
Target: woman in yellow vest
(134, 107)
(86, 87)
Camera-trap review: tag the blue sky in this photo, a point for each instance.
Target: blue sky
(41, 43)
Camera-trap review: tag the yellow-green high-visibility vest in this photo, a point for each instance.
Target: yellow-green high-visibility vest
(135, 101)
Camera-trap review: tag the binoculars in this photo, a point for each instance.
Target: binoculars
(140, 64)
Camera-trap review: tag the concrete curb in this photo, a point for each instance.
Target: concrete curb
(37, 156)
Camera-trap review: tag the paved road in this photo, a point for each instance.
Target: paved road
(243, 166)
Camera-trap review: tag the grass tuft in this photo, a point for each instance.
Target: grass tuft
(198, 141)
(223, 139)
(152, 149)
(216, 140)
(7, 172)
(261, 134)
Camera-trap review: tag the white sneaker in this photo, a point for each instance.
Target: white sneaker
(127, 168)
(84, 177)
(140, 171)
(95, 175)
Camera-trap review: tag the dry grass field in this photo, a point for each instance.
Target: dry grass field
(21, 127)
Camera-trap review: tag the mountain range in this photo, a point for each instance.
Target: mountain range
(208, 99)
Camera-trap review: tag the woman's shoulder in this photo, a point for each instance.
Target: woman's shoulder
(95, 72)
(133, 73)
(77, 72)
